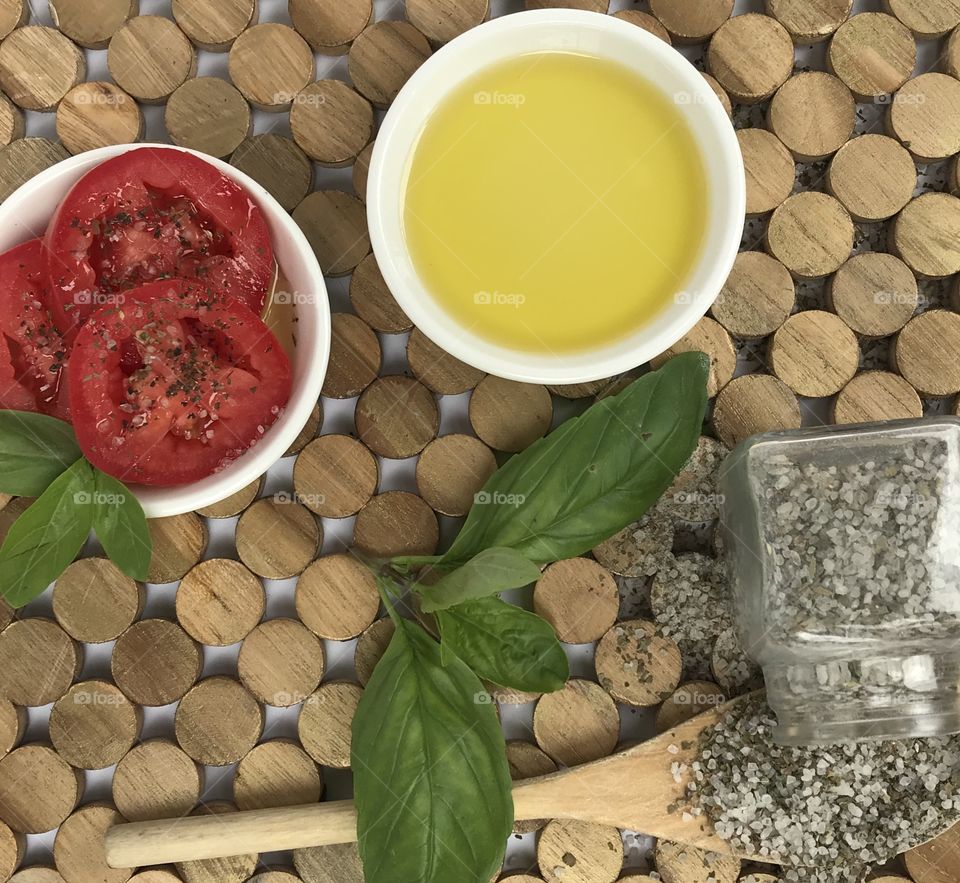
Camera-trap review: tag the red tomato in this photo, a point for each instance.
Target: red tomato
(172, 383)
(32, 352)
(154, 214)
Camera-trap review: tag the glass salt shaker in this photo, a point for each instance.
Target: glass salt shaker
(844, 549)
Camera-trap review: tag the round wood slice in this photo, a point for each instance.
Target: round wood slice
(925, 116)
(335, 476)
(235, 869)
(218, 721)
(926, 235)
(810, 96)
(355, 357)
(528, 762)
(875, 294)
(94, 115)
(337, 597)
(937, 861)
(874, 54)
(579, 852)
(234, 504)
(396, 523)
(951, 55)
(278, 165)
(371, 646)
(361, 172)
(6, 614)
(397, 417)
(95, 602)
(335, 224)
(331, 122)
(692, 21)
(873, 176)
(275, 877)
(156, 875)
(579, 598)
(277, 538)
(384, 57)
(94, 725)
(810, 21)
(925, 353)
(281, 662)
(678, 863)
(600, 6)
(214, 26)
(709, 337)
(179, 542)
(442, 20)
(811, 234)
(751, 56)
(814, 353)
(38, 66)
(437, 369)
(329, 864)
(39, 661)
(155, 662)
(91, 23)
(876, 396)
(325, 722)
(637, 666)
(209, 115)
(276, 773)
(577, 724)
(757, 297)
(373, 301)
(720, 92)
(451, 472)
(309, 431)
(770, 169)
(80, 846)
(25, 158)
(638, 550)
(753, 404)
(271, 64)
(219, 602)
(13, 722)
(13, 14)
(928, 19)
(12, 850)
(645, 20)
(12, 124)
(330, 26)
(510, 416)
(38, 789)
(150, 57)
(156, 780)
(686, 702)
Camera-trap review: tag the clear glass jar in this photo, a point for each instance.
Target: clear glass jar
(844, 550)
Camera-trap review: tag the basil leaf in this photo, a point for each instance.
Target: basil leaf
(121, 526)
(492, 571)
(431, 780)
(595, 473)
(505, 644)
(48, 536)
(34, 450)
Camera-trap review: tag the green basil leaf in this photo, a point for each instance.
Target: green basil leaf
(492, 571)
(594, 474)
(431, 780)
(505, 644)
(121, 526)
(34, 450)
(48, 536)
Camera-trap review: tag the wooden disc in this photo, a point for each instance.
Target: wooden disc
(527, 762)
(335, 224)
(325, 722)
(437, 369)
(214, 26)
(13, 722)
(179, 542)
(373, 301)
(37, 874)
(925, 116)
(38, 789)
(951, 55)
(592, 389)
(331, 122)
(720, 92)
(753, 404)
(150, 57)
(384, 57)
(757, 297)
(751, 56)
(271, 64)
(686, 702)
(361, 173)
(355, 357)
(155, 875)
(599, 6)
(281, 662)
(218, 721)
(637, 666)
(874, 54)
(330, 26)
(811, 234)
(277, 165)
(937, 861)
(813, 96)
(876, 396)
(925, 353)
(329, 864)
(94, 115)
(309, 431)
(578, 598)
(770, 170)
(12, 849)
(709, 337)
(815, 354)
(692, 21)
(371, 646)
(93, 725)
(926, 234)
(579, 852)
(442, 20)
(155, 662)
(397, 417)
(277, 538)
(12, 123)
(638, 550)
(510, 416)
(335, 476)
(873, 176)
(337, 597)
(452, 470)
(156, 780)
(810, 21)
(13, 14)
(6, 614)
(235, 869)
(80, 846)
(39, 661)
(396, 523)
(274, 877)
(928, 19)
(94, 601)
(577, 724)
(38, 66)
(678, 863)
(219, 602)
(276, 773)
(209, 115)
(235, 503)
(645, 20)
(91, 23)
(24, 159)
(875, 294)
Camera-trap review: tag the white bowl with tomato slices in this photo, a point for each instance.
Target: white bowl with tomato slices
(141, 278)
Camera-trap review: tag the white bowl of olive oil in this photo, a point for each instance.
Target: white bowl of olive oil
(556, 196)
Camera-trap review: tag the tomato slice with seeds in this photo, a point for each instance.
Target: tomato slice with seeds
(171, 384)
(153, 214)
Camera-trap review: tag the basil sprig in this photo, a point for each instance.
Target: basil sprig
(39, 457)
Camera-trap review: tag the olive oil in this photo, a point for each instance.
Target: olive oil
(556, 202)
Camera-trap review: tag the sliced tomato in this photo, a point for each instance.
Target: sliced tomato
(33, 352)
(154, 214)
(172, 383)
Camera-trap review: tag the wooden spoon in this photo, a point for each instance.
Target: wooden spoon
(642, 789)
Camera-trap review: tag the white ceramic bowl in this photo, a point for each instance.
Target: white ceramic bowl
(25, 214)
(593, 34)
